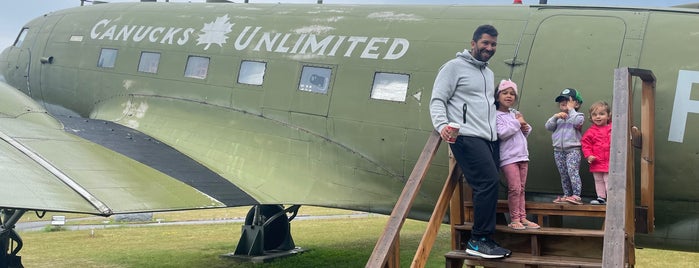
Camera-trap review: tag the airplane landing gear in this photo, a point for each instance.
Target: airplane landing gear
(266, 233)
(10, 242)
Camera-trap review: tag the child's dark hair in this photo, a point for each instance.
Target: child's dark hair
(497, 103)
(497, 97)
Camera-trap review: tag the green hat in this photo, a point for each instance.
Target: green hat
(568, 93)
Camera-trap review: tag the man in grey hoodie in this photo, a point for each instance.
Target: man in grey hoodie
(464, 93)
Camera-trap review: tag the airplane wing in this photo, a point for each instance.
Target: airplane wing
(176, 155)
(44, 167)
(272, 161)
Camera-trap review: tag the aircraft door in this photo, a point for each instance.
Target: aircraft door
(568, 51)
(44, 51)
(18, 63)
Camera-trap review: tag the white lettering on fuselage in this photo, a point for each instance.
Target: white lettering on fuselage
(255, 38)
(137, 33)
(683, 105)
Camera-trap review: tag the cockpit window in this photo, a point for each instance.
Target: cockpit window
(315, 79)
(390, 86)
(149, 62)
(197, 67)
(252, 72)
(107, 58)
(21, 36)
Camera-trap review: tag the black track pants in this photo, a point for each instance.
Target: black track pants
(478, 159)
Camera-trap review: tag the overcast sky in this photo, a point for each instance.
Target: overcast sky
(15, 13)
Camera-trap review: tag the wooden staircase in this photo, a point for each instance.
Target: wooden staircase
(545, 247)
(553, 245)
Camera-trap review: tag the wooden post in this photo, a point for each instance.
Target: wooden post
(616, 215)
(619, 231)
(393, 259)
(648, 147)
(457, 214)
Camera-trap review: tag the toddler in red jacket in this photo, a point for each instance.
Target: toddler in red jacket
(595, 148)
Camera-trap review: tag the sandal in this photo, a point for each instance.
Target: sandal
(530, 225)
(516, 225)
(575, 200)
(560, 199)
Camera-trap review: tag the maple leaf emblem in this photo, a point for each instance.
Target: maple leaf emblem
(215, 32)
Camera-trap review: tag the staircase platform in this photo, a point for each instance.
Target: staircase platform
(547, 246)
(546, 208)
(459, 258)
(552, 231)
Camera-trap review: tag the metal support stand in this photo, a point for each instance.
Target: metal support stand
(266, 234)
(10, 242)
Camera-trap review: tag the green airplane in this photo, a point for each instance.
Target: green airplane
(141, 107)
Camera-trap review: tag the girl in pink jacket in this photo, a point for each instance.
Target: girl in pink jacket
(595, 147)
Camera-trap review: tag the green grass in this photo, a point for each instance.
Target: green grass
(344, 242)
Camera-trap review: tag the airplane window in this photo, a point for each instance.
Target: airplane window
(388, 86)
(21, 36)
(315, 79)
(149, 62)
(107, 58)
(252, 72)
(197, 67)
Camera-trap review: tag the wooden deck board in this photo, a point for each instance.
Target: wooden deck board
(552, 231)
(525, 259)
(541, 208)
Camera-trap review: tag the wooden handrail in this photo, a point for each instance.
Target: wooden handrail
(430, 235)
(389, 237)
(619, 227)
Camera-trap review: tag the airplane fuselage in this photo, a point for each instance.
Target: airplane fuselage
(328, 105)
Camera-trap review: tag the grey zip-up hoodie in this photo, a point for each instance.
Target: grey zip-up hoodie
(567, 133)
(464, 93)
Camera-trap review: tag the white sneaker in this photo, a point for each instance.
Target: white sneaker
(598, 201)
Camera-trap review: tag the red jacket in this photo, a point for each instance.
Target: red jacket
(596, 142)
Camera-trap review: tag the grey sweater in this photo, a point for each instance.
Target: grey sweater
(464, 92)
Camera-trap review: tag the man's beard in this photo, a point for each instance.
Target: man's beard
(483, 55)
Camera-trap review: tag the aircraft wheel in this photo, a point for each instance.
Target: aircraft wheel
(276, 231)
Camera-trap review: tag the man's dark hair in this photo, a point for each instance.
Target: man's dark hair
(484, 29)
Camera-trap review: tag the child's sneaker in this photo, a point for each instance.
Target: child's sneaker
(599, 201)
(575, 200)
(486, 248)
